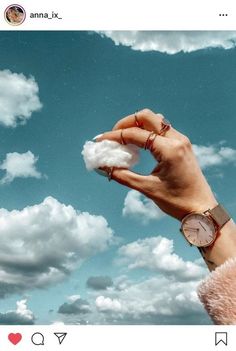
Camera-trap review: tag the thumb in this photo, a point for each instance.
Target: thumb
(130, 179)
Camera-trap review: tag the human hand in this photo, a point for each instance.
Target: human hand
(176, 184)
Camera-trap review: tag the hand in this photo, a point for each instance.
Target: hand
(176, 184)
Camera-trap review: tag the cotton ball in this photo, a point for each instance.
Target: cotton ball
(109, 153)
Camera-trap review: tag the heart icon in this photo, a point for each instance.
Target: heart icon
(14, 338)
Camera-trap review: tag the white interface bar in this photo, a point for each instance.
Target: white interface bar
(124, 15)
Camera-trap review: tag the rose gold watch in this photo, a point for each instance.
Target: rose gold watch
(201, 229)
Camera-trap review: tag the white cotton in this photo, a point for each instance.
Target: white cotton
(109, 153)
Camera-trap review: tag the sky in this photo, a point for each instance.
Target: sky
(75, 248)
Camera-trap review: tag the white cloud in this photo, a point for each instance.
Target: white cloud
(18, 98)
(157, 254)
(138, 206)
(19, 166)
(22, 315)
(73, 298)
(169, 297)
(41, 244)
(172, 42)
(109, 153)
(165, 294)
(23, 310)
(214, 155)
(156, 300)
(105, 304)
(152, 300)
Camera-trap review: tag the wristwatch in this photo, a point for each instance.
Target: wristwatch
(201, 229)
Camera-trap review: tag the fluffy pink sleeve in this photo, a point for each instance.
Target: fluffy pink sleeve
(218, 293)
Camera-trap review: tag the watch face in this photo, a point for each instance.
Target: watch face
(198, 229)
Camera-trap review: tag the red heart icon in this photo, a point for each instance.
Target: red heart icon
(14, 338)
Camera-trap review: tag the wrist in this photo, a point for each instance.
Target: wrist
(199, 207)
(223, 248)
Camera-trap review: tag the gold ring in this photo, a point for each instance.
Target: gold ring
(137, 123)
(150, 140)
(165, 126)
(136, 119)
(122, 138)
(109, 173)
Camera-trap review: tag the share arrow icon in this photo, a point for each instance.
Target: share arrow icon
(61, 337)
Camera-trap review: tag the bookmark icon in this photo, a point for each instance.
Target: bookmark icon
(61, 337)
(221, 337)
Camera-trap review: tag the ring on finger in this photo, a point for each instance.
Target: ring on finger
(137, 123)
(150, 140)
(109, 173)
(105, 172)
(123, 142)
(165, 126)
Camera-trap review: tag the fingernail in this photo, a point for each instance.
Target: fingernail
(101, 172)
(97, 136)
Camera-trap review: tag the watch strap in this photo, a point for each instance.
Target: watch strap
(219, 215)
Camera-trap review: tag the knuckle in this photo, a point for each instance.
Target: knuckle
(186, 142)
(131, 130)
(146, 111)
(181, 148)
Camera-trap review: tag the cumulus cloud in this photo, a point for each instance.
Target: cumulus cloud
(109, 153)
(47, 242)
(99, 282)
(19, 166)
(165, 294)
(214, 155)
(169, 297)
(157, 254)
(22, 315)
(73, 298)
(155, 300)
(18, 98)
(138, 206)
(106, 304)
(77, 306)
(172, 42)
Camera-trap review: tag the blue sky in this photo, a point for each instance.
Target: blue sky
(68, 254)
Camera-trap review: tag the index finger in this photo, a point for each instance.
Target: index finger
(148, 120)
(145, 119)
(138, 137)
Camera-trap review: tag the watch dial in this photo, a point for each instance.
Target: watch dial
(198, 229)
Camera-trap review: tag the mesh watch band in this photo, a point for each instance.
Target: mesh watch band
(219, 215)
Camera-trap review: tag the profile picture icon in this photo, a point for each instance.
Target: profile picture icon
(15, 14)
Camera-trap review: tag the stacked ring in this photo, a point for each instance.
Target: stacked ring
(150, 140)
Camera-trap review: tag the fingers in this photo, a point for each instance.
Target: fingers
(146, 119)
(135, 136)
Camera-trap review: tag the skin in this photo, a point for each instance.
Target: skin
(177, 184)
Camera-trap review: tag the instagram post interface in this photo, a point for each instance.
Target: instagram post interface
(117, 178)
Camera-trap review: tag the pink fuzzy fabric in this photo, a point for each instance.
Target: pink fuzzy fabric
(218, 293)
